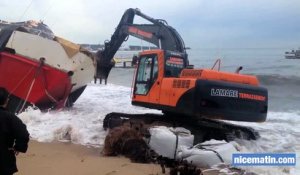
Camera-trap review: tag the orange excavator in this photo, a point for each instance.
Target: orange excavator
(193, 98)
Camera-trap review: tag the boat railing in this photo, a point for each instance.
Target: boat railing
(33, 30)
(39, 32)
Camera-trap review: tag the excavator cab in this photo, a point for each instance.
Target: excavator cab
(153, 66)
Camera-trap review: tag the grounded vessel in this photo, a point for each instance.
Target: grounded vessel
(41, 69)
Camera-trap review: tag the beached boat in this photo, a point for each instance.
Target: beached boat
(294, 54)
(39, 68)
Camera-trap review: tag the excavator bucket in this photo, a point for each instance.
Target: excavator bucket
(103, 67)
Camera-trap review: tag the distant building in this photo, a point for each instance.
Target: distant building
(96, 47)
(92, 47)
(141, 47)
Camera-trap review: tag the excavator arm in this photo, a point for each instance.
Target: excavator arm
(158, 33)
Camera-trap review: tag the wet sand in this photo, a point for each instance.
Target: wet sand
(70, 159)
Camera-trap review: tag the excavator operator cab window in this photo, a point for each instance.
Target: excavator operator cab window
(173, 66)
(146, 74)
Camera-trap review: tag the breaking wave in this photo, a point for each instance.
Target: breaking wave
(280, 80)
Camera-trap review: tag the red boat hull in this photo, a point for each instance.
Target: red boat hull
(33, 82)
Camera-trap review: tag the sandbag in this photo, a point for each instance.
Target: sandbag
(208, 153)
(166, 141)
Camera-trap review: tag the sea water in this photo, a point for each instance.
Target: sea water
(82, 124)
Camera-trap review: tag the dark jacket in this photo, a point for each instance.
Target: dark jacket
(13, 134)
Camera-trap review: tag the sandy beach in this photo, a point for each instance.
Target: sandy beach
(70, 159)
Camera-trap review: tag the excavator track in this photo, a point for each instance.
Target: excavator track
(202, 129)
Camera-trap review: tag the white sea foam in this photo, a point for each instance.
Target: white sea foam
(82, 124)
(279, 134)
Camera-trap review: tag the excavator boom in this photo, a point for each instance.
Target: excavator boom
(158, 33)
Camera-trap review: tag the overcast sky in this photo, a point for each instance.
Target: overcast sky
(201, 23)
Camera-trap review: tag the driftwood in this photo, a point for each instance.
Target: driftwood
(128, 140)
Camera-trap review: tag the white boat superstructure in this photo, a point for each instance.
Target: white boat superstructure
(58, 53)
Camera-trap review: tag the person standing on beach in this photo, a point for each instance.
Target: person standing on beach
(14, 137)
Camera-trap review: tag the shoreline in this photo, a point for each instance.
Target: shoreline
(58, 158)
